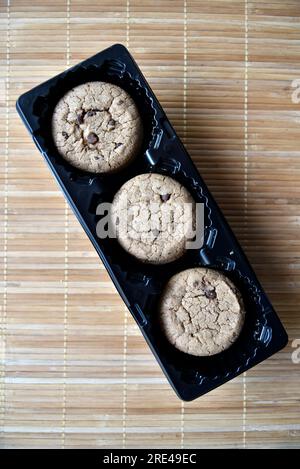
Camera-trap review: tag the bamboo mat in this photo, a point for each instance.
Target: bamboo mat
(75, 371)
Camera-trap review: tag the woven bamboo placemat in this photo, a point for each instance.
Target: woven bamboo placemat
(75, 371)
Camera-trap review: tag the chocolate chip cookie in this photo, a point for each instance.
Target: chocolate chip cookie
(97, 128)
(201, 312)
(153, 216)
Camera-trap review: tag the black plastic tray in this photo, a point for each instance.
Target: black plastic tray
(139, 284)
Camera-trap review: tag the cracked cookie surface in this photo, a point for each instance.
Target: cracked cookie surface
(96, 127)
(201, 312)
(153, 216)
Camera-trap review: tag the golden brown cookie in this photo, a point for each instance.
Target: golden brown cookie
(201, 312)
(96, 127)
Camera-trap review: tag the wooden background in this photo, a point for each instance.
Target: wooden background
(75, 371)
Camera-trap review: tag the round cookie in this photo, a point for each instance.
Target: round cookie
(201, 312)
(153, 216)
(96, 127)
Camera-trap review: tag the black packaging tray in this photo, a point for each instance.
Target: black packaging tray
(139, 284)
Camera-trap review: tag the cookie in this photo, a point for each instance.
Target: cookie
(201, 312)
(153, 216)
(96, 127)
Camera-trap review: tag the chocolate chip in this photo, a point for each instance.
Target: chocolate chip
(117, 145)
(120, 102)
(117, 220)
(165, 197)
(92, 138)
(210, 293)
(196, 284)
(65, 135)
(92, 112)
(96, 158)
(111, 123)
(80, 118)
(155, 232)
